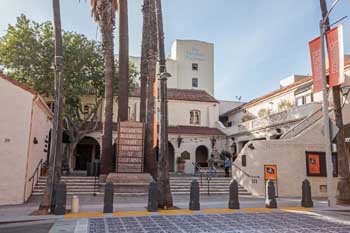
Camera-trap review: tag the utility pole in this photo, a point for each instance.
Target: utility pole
(343, 186)
(47, 202)
(330, 192)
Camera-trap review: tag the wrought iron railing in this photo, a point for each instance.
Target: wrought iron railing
(35, 177)
(254, 178)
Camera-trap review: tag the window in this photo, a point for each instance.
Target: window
(300, 101)
(195, 66)
(244, 160)
(194, 82)
(229, 124)
(308, 99)
(195, 116)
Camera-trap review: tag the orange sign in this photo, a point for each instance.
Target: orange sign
(314, 164)
(270, 172)
(316, 61)
(336, 56)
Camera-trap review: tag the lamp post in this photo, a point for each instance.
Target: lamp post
(325, 106)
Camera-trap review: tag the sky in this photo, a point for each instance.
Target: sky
(256, 42)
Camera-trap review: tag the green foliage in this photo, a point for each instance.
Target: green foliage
(247, 118)
(264, 112)
(225, 154)
(179, 160)
(27, 54)
(284, 105)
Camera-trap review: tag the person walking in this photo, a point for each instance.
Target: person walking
(211, 166)
(227, 165)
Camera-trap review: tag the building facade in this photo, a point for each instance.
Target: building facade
(25, 123)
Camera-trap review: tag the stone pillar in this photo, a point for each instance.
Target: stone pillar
(108, 198)
(306, 200)
(194, 196)
(60, 199)
(270, 195)
(153, 196)
(233, 198)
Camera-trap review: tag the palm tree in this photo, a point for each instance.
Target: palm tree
(144, 59)
(123, 61)
(343, 186)
(166, 199)
(150, 128)
(103, 12)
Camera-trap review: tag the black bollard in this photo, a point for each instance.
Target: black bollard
(60, 199)
(108, 198)
(270, 195)
(233, 198)
(153, 196)
(194, 196)
(306, 199)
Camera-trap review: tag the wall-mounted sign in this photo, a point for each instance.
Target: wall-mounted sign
(195, 54)
(347, 140)
(270, 172)
(316, 164)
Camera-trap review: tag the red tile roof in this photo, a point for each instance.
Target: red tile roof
(18, 84)
(183, 129)
(184, 94)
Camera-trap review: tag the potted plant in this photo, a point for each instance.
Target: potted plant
(180, 164)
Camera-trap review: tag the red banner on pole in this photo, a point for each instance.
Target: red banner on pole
(316, 61)
(335, 46)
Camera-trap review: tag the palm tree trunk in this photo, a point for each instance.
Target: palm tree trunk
(55, 161)
(106, 22)
(150, 151)
(123, 61)
(144, 60)
(166, 199)
(343, 186)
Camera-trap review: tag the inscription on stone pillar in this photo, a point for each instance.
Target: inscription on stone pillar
(130, 147)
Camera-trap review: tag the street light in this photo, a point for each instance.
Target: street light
(325, 106)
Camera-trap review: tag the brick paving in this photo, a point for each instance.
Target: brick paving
(235, 222)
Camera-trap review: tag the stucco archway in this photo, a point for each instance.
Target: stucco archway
(202, 156)
(87, 150)
(171, 154)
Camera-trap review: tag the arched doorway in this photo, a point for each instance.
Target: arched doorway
(202, 156)
(86, 151)
(171, 154)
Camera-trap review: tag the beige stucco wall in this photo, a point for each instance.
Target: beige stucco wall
(16, 106)
(40, 127)
(289, 156)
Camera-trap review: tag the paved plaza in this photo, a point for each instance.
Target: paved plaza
(276, 221)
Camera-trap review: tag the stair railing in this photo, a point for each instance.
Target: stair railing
(198, 170)
(36, 174)
(254, 178)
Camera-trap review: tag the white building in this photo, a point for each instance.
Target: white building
(191, 64)
(25, 123)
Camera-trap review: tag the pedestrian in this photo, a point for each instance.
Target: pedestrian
(227, 165)
(211, 166)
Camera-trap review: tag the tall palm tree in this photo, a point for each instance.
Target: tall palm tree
(150, 128)
(166, 199)
(144, 59)
(343, 186)
(103, 12)
(123, 61)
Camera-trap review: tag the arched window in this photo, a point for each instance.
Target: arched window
(195, 117)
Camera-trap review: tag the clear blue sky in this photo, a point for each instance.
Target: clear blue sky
(257, 42)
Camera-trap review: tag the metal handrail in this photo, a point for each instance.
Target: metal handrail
(199, 170)
(36, 174)
(245, 173)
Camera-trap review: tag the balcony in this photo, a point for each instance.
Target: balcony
(295, 114)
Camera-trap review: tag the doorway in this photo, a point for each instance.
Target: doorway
(87, 150)
(202, 156)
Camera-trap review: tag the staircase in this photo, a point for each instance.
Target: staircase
(180, 185)
(76, 185)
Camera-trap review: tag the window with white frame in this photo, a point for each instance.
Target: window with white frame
(195, 82)
(195, 117)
